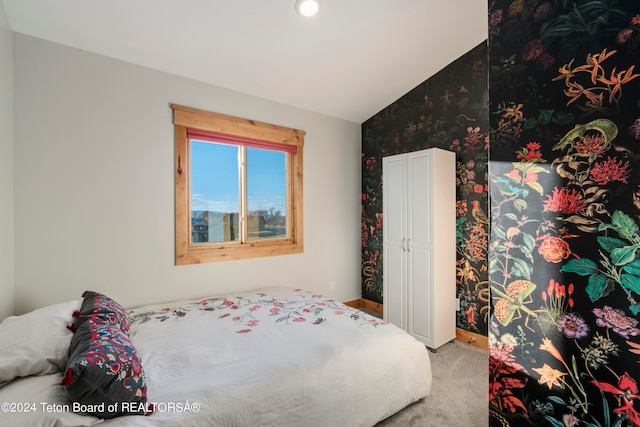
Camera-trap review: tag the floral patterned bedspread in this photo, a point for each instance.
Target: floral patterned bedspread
(274, 357)
(249, 311)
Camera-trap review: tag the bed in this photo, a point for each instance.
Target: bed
(273, 357)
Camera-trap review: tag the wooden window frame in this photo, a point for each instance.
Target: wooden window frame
(186, 252)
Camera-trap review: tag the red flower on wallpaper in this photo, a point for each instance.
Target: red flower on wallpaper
(503, 353)
(592, 144)
(370, 163)
(495, 17)
(554, 249)
(610, 170)
(624, 35)
(528, 177)
(475, 141)
(532, 50)
(503, 384)
(531, 152)
(625, 392)
(565, 201)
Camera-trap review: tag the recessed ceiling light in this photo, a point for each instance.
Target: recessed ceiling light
(307, 8)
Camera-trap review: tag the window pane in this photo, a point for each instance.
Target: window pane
(266, 194)
(215, 202)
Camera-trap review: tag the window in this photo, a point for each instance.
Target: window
(238, 187)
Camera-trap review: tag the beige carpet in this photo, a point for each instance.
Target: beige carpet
(459, 394)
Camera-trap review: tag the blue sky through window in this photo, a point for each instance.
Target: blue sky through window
(266, 180)
(215, 183)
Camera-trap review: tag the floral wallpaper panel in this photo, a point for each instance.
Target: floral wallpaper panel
(449, 111)
(564, 179)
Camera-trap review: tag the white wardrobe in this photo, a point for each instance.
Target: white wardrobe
(419, 247)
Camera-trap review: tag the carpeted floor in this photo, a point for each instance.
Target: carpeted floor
(459, 393)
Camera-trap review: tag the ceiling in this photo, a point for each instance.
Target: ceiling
(351, 60)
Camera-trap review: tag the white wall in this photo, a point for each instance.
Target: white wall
(94, 193)
(6, 169)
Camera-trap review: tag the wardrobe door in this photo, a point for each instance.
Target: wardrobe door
(419, 246)
(394, 240)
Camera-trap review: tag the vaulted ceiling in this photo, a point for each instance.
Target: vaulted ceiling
(350, 61)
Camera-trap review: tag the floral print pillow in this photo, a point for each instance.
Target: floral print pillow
(104, 375)
(97, 304)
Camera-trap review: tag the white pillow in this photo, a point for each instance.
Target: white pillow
(42, 403)
(36, 343)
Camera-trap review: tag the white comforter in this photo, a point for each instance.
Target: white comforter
(276, 357)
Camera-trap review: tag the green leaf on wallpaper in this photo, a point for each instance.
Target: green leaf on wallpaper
(520, 205)
(530, 123)
(459, 232)
(582, 266)
(553, 421)
(556, 399)
(623, 256)
(529, 241)
(635, 308)
(526, 252)
(493, 263)
(560, 30)
(627, 225)
(535, 186)
(630, 282)
(632, 267)
(605, 408)
(529, 168)
(622, 223)
(511, 216)
(603, 227)
(599, 286)
(563, 118)
(499, 233)
(545, 116)
(521, 269)
(610, 243)
(500, 249)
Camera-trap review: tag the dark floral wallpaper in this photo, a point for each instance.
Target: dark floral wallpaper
(564, 179)
(450, 110)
